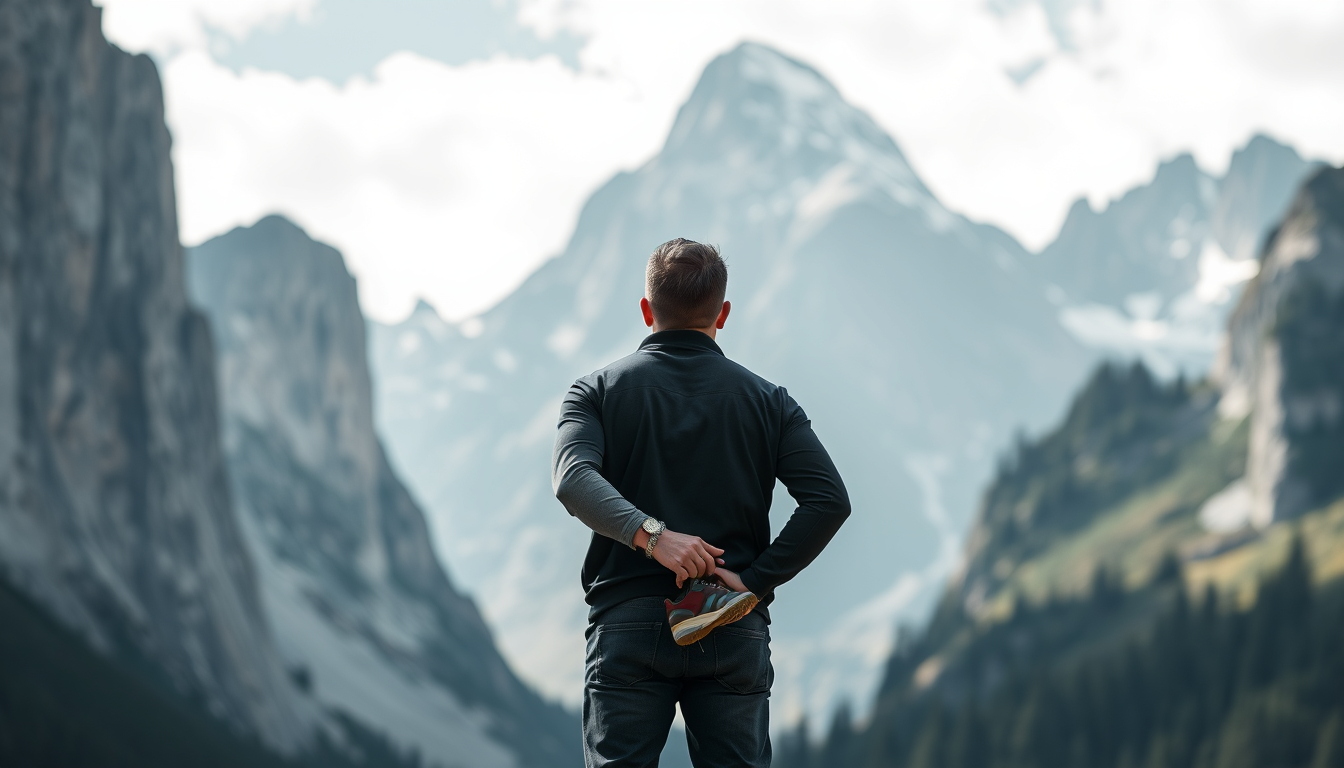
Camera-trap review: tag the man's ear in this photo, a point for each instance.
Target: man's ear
(723, 315)
(647, 309)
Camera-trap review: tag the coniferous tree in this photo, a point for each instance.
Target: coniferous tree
(842, 745)
(930, 745)
(1211, 685)
(1329, 752)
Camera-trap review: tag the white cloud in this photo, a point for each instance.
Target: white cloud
(444, 182)
(1149, 79)
(168, 26)
(455, 182)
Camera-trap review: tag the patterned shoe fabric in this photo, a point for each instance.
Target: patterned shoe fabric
(703, 607)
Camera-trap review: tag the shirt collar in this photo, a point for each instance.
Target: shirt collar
(680, 338)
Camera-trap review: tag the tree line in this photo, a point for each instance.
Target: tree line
(1210, 685)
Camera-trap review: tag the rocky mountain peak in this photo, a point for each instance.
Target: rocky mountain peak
(1181, 189)
(1260, 181)
(285, 302)
(1260, 151)
(1152, 273)
(359, 600)
(424, 308)
(768, 88)
(757, 106)
(1180, 169)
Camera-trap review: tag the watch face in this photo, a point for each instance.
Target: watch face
(651, 525)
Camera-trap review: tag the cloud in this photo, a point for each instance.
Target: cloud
(167, 26)
(454, 182)
(450, 183)
(1142, 80)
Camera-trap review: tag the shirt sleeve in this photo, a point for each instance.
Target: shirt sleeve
(576, 470)
(823, 505)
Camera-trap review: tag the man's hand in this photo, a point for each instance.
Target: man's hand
(730, 580)
(687, 556)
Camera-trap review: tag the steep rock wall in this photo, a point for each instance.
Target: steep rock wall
(1283, 360)
(114, 506)
(357, 595)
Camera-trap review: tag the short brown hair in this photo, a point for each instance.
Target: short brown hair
(685, 283)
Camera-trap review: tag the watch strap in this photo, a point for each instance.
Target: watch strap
(653, 539)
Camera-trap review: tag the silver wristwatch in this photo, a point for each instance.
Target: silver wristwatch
(655, 529)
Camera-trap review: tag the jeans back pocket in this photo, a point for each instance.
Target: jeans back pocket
(742, 659)
(625, 652)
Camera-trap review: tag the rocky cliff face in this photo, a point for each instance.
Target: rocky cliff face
(913, 337)
(114, 506)
(1283, 360)
(362, 610)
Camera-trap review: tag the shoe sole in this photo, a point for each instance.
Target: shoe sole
(703, 625)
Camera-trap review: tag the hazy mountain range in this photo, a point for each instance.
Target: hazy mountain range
(915, 339)
(202, 501)
(918, 342)
(209, 558)
(1155, 272)
(1159, 579)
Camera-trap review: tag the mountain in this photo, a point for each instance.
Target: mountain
(1283, 360)
(1160, 578)
(364, 615)
(115, 514)
(1155, 273)
(916, 340)
(1253, 196)
(1141, 470)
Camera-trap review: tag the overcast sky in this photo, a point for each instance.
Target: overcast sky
(446, 147)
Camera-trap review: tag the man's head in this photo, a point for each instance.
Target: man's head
(684, 286)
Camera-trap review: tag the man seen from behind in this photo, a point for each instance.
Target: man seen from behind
(670, 456)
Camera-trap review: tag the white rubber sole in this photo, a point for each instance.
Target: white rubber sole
(694, 630)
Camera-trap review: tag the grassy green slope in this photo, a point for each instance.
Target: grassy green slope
(1085, 566)
(1116, 492)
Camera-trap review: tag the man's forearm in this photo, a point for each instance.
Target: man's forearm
(575, 477)
(805, 535)
(823, 505)
(589, 497)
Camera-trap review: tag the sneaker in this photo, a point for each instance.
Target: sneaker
(704, 606)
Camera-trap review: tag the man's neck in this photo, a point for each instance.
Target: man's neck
(708, 330)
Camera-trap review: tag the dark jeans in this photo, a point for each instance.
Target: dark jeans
(636, 674)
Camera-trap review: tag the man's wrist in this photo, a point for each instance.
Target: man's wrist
(646, 528)
(653, 542)
(654, 528)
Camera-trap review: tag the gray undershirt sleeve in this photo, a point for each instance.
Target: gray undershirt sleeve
(576, 475)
